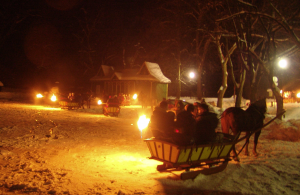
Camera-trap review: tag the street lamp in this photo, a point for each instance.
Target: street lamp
(192, 75)
(282, 63)
(188, 75)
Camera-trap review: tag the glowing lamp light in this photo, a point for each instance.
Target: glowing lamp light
(280, 91)
(282, 63)
(192, 75)
(298, 95)
(134, 96)
(53, 98)
(143, 123)
(99, 102)
(39, 95)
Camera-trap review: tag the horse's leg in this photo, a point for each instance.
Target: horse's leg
(235, 155)
(247, 143)
(256, 135)
(227, 124)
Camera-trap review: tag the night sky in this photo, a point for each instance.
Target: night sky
(42, 39)
(48, 41)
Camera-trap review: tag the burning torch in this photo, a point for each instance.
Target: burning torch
(53, 98)
(134, 96)
(39, 95)
(143, 123)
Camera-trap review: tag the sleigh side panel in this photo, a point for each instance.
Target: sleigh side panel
(112, 109)
(163, 151)
(178, 155)
(226, 150)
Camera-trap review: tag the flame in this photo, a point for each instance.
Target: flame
(99, 102)
(53, 98)
(39, 95)
(143, 122)
(286, 94)
(134, 96)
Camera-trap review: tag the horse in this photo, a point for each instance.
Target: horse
(249, 120)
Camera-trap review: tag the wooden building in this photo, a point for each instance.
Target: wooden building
(147, 80)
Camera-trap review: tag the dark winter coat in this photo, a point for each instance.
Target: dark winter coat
(162, 123)
(206, 123)
(186, 122)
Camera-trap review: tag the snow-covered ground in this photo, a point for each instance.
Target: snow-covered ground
(46, 150)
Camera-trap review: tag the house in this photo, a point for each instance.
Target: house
(147, 80)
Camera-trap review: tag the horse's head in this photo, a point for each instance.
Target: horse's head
(260, 106)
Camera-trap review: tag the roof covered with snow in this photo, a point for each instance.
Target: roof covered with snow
(147, 72)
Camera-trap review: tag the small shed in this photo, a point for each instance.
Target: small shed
(147, 80)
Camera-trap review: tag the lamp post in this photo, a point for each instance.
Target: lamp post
(191, 75)
(283, 64)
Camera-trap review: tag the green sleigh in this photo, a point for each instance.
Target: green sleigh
(208, 158)
(211, 158)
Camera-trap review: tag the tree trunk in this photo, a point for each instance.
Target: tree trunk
(254, 85)
(178, 94)
(224, 61)
(240, 89)
(253, 95)
(223, 87)
(199, 83)
(279, 101)
(275, 89)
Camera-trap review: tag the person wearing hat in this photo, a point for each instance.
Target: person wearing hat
(206, 123)
(186, 125)
(162, 122)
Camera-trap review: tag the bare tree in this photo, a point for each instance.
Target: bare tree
(261, 31)
(90, 27)
(224, 60)
(97, 42)
(172, 26)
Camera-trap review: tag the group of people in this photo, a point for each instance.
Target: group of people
(122, 99)
(81, 98)
(113, 101)
(194, 125)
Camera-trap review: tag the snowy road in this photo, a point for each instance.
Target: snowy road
(88, 153)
